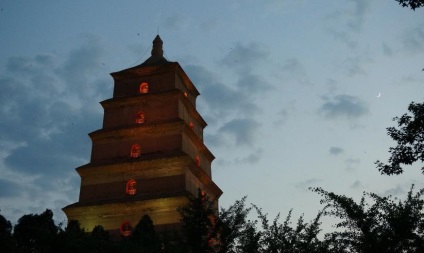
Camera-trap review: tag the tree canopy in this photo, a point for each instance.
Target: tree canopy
(385, 225)
(413, 4)
(372, 224)
(410, 141)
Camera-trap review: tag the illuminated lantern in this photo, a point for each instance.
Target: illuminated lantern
(198, 160)
(185, 94)
(144, 88)
(131, 188)
(191, 125)
(135, 151)
(139, 118)
(126, 229)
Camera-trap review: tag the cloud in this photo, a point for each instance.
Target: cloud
(336, 150)
(343, 107)
(356, 65)
(352, 163)
(387, 50)
(413, 39)
(176, 22)
(253, 85)
(281, 118)
(352, 20)
(294, 69)
(395, 191)
(9, 189)
(222, 101)
(357, 185)
(242, 131)
(232, 108)
(304, 185)
(358, 14)
(252, 158)
(245, 57)
(49, 105)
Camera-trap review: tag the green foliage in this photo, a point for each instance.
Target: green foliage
(145, 237)
(249, 241)
(383, 226)
(7, 243)
(413, 4)
(98, 241)
(232, 229)
(284, 237)
(36, 232)
(73, 238)
(410, 141)
(197, 219)
(374, 224)
(100, 234)
(173, 243)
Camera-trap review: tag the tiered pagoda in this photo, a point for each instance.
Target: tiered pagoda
(149, 155)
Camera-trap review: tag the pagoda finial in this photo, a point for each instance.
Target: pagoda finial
(157, 46)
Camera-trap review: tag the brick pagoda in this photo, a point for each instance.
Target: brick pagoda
(149, 155)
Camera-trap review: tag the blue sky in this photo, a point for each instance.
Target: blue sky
(296, 94)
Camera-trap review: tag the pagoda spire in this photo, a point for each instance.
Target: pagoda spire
(157, 46)
(157, 53)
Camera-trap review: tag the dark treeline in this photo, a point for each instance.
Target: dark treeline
(374, 224)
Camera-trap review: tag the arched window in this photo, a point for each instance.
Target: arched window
(198, 160)
(135, 151)
(126, 229)
(139, 118)
(144, 88)
(131, 187)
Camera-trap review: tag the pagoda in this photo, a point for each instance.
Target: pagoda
(149, 155)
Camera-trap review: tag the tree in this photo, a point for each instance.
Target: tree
(145, 237)
(303, 238)
(99, 241)
(36, 232)
(231, 227)
(73, 238)
(250, 239)
(6, 241)
(409, 138)
(173, 243)
(413, 4)
(383, 226)
(197, 218)
(100, 234)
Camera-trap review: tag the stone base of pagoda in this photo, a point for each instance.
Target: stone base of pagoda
(163, 212)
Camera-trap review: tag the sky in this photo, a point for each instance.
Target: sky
(296, 94)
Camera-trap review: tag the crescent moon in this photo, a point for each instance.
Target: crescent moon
(379, 94)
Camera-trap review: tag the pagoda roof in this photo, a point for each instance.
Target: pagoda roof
(155, 62)
(156, 57)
